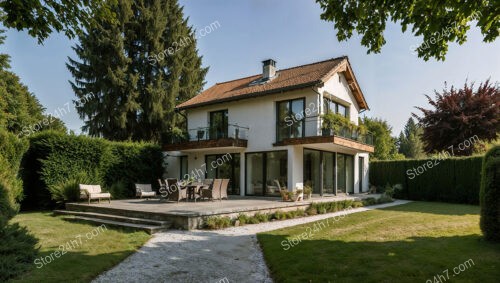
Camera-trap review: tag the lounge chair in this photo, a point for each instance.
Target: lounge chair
(223, 188)
(174, 191)
(213, 192)
(144, 190)
(91, 192)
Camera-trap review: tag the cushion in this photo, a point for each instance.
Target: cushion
(100, 195)
(149, 194)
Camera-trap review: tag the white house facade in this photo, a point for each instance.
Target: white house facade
(265, 132)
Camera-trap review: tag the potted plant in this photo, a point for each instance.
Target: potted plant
(284, 194)
(291, 196)
(307, 192)
(299, 194)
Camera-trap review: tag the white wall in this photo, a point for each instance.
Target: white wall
(340, 89)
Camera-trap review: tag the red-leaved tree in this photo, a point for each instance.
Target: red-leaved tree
(460, 118)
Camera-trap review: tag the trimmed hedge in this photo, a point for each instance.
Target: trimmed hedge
(17, 245)
(455, 180)
(490, 195)
(55, 161)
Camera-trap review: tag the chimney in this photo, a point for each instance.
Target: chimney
(268, 69)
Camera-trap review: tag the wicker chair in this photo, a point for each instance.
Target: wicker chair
(213, 192)
(223, 188)
(174, 192)
(144, 190)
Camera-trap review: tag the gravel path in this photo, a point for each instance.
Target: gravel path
(229, 255)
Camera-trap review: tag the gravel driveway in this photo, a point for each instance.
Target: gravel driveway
(229, 255)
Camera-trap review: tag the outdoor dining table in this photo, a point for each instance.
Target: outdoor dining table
(192, 189)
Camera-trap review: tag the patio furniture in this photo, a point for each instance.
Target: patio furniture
(93, 192)
(174, 191)
(144, 190)
(223, 188)
(213, 192)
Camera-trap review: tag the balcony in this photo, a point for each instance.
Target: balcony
(343, 137)
(232, 135)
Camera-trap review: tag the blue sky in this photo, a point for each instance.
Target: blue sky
(290, 32)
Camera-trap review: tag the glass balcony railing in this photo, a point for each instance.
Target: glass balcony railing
(366, 138)
(232, 131)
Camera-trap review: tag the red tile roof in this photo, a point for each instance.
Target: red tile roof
(288, 79)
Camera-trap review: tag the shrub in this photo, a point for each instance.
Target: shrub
(369, 201)
(311, 210)
(455, 180)
(280, 215)
(261, 217)
(54, 159)
(384, 198)
(17, 250)
(69, 189)
(243, 218)
(217, 222)
(490, 195)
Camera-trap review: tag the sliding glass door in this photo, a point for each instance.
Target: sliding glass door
(345, 173)
(321, 165)
(328, 172)
(312, 167)
(229, 169)
(266, 173)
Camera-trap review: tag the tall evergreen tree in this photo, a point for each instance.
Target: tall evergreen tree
(410, 143)
(153, 65)
(384, 143)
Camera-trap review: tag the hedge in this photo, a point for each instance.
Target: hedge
(17, 245)
(56, 160)
(455, 180)
(490, 195)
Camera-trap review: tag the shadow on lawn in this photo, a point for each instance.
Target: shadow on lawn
(436, 208)
(415, 259)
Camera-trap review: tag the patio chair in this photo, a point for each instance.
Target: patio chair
(223, 188)
(144, 190)
(174, 191)
(213, 192)
(91, 192)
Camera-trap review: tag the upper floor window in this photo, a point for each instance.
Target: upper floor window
(334, 107)
(290, 119)
(218, 124)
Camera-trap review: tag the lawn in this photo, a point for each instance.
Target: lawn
(88, 249)
(408, 243)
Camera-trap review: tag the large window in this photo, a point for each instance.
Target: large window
(218, 124)
(225, 166)
(184, 167)
(334, 107)
(266, 173)
(312, 167)
(320, 174)
(290, 119)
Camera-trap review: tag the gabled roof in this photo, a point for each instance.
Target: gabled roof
(310, 75)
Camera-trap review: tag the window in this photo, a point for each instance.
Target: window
(290, 119)
(334, 107)
(218, 124)
(184, 167)
(266, 173)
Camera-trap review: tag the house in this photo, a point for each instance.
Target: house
(265, 132)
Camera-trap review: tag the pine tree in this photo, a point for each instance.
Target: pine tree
(151, 64)
(410, 144)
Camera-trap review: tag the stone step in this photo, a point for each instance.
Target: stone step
(116, 218)
(150, 229)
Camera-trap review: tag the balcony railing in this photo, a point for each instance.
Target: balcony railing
(232, 131)
(347, 133)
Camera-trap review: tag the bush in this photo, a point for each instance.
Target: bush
(217, 222)
(455, 180)
(243, 218)
(55, 159)
(490, 195)
(17, 246)
(17, 250)
(69, 190)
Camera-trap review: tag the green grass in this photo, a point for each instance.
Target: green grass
(85, 261)
(407, 243)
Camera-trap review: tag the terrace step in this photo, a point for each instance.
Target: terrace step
(150, 229)
(117, 218)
